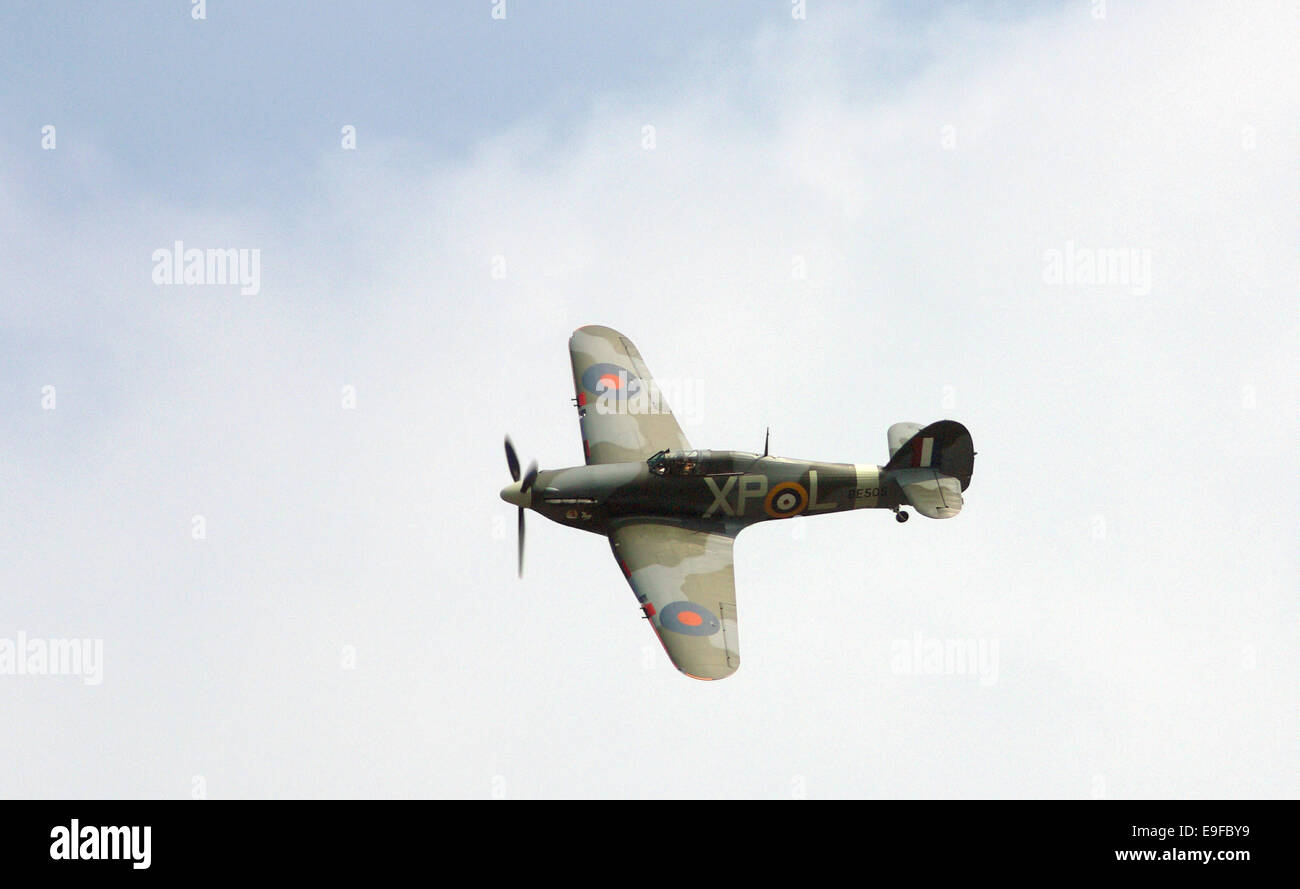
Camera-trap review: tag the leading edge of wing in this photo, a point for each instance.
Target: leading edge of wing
(684, 579)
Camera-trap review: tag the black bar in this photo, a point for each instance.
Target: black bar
(371, 837)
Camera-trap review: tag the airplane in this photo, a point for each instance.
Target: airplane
(672, 512)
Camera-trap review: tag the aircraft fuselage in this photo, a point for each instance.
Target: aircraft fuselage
(732, 486)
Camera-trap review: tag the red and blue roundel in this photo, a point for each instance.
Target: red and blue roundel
(604, 379)
(689, 619)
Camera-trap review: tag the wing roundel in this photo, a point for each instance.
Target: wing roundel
(621, 410)
(684, 580)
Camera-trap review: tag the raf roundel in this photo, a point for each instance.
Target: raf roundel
(604, 378)
(785, 500)
(689, 619)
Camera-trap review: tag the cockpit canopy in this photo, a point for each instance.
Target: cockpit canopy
(675, 463)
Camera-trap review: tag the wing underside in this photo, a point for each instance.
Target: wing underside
(684, 580)
(622, 412)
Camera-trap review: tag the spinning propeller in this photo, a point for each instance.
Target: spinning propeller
(518, 493)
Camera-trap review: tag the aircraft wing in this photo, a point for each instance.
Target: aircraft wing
(623, 415)
(684, 580)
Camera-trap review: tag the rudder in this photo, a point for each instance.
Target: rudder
(944, 446)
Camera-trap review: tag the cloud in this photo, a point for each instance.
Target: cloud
(917, 172)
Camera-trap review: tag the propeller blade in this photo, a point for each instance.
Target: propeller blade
(512, 459)
(521, 541)
(529, 477)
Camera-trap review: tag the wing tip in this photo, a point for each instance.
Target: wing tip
(728, 671)
(597, 330)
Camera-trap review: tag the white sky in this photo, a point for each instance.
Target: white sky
(1125, 538)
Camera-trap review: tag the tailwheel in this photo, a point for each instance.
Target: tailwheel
(901, 516)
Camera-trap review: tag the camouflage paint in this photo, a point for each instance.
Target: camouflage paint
(671, 528)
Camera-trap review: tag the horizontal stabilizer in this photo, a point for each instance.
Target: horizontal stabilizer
(933, 494)
(900, 434)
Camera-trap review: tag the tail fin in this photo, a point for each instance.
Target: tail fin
(932, 467)
(945, 446)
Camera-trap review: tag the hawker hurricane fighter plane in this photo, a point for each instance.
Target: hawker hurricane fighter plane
(671, 512)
